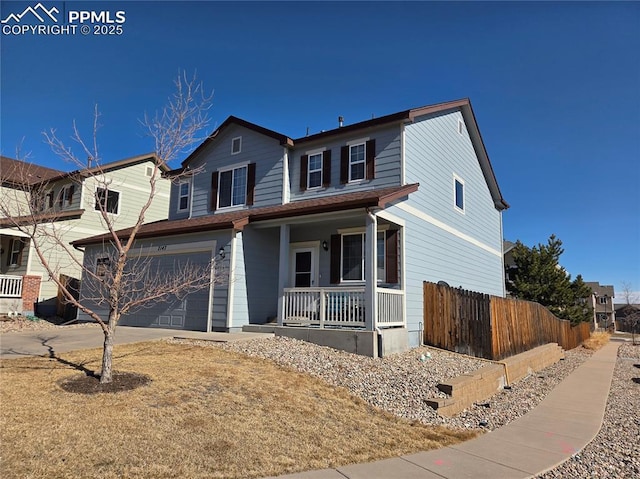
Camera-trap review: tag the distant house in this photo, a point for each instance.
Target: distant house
(509, 262)
(331, 235)
(628, 317)
(66, 203)
(604, 314)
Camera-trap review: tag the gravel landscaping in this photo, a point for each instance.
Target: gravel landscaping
(23, 323)
(401, 384)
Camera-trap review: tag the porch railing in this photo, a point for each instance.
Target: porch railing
(340, 307)
(10, 286)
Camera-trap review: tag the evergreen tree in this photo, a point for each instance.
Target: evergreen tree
(539, 277)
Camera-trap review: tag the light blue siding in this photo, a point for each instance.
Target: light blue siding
(387, 164)
(267, 153)
(462, 249)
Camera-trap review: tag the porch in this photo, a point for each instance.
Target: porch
(339, 307)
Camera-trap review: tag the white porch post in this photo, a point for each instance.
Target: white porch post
(371, 272)
(283, 270)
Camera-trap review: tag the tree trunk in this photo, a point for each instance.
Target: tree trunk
(107, 357)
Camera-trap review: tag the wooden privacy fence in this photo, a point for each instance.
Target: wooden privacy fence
(491, 327)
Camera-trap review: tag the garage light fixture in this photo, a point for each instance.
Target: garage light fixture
(221, 253)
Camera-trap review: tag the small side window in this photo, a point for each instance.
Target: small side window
(183, 195)
(458, 192)
(236, 145)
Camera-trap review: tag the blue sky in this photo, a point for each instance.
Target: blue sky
(555, 88)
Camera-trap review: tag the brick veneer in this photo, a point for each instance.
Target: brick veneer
(30, 293)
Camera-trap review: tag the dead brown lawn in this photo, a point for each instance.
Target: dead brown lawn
(205, 413)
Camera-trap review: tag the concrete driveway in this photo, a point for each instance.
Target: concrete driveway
(60, 340)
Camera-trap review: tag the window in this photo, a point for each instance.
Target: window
(603, 300)
(353, 256)
(233, 187)
(356, 162)
(315, 171)
(149, 171)
(107, 200)
(66, 196)
(458, 193)
(183, 195)
(15, 252)
(103, 265)
(236, 145)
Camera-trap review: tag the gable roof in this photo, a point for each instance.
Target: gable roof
(379, 198)
(405, 116)
(22, 173)
(29, 174)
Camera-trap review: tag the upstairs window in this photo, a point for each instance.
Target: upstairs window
(458, 194)
(107, 200)
(233, 187)
(603, 300)
(315, 171)
(356, 162)
(65, 198)
(183, 195)
(236, 145)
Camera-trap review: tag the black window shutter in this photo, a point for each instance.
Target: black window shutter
(370, 161)
(344, 164)
(251, 183)
(391, 256)
(304, 165)
(326, 168)
(336, 243)
(214, 191)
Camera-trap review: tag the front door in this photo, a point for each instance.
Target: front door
(304, 270)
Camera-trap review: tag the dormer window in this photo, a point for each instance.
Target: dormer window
(236, 145)
(66, 196)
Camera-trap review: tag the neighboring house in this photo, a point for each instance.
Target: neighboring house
(333, 232)
(64, 203)
(509, 263)
(628, 317)
(604, 314)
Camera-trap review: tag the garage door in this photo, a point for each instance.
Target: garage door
(189, 313)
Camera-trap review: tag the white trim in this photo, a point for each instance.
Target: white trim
(321, 170)
(314, 248)
(363, 162)
(107, 189)
(402, 155)
(285, 176)
(179, 195)
(385, 215)
(214, 252)
(449, 229)
(457, 179)
(239, 145)
(359, 229)
(232, 278)
(461, 127)
(232, 168)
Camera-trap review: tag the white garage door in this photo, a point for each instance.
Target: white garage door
(189, 313)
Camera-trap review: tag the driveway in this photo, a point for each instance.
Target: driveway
(60, 340)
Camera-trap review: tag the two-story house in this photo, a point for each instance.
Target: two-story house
(330, 235)
(604, 313)
(64, 205)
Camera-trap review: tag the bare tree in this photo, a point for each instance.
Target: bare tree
(124, 281)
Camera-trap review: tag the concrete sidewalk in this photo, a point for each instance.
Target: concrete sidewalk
(563, 423)
(60, 340)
